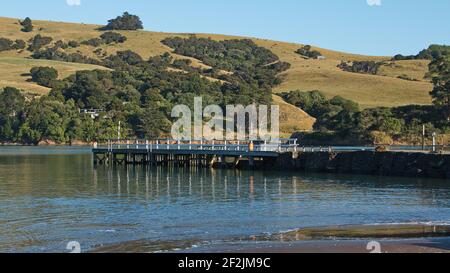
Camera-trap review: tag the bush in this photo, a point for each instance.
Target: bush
(61, 44)
(113, 37)
(44, 75)
(20, 44)
(95, 42)
(73, 44)
(58, 55)
(38, 41)
(6, 44)
(307, 52)
(127, 57)
(124, 22)
(364, 67)
(27, 25)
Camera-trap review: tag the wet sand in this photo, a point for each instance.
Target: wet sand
(435, 245)
(398, 238)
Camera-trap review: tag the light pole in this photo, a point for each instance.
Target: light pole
(434, 142)
(423, 138)
(118, 132)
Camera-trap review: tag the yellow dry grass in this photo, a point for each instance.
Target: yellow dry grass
(292, 119)
(413, 69)
(368, 90)
(14, 72)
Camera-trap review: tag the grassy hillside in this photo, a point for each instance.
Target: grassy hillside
(385, 89)
(15, 72)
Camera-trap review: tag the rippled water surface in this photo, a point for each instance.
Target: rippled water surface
(51, 196)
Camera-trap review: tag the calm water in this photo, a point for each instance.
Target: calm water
(50, 196)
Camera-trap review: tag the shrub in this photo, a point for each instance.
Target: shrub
(38, 41)
(113, 37)
(95, 42)
(61, 44)
(73, 44)
(20, 44)
(27, 25)
(307, 52)
(124, 22)
(44, 75)
(364, 67)
(124, 57)
(58, 55)
(6, 44)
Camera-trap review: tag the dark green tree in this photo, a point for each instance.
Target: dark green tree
(38, 41)
(440, 67)
(12, 104)
(125, 22)
(6, 44)
(44, 76)
(113, 37)
(27, 25)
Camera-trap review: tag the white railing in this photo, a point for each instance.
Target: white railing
(287, 145)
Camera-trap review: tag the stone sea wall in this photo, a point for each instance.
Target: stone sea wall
(368, 163)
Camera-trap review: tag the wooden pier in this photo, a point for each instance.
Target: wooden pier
(191, 153)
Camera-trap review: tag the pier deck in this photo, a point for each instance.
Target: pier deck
(201, 153)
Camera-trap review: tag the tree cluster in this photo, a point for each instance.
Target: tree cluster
(44, 76)
(125, 22)
(7, 44)
(431, 53)
(137, 92)
(339, 118)
(38, 41)
(364, 67)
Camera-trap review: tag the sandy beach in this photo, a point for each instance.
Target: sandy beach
(399, 238)
(420, 245)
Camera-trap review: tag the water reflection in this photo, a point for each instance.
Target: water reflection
(50, 197)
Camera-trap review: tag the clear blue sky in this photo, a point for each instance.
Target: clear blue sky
(395, 26)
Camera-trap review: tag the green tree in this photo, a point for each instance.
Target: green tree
(113, 37)
(39, 41)
(392, 126)
(6, 44)
(440, 67)
(125, 22)
(12, 104)
(27, 25)
(44, 76)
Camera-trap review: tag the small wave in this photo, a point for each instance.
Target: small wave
(429, 223)
(108, 231)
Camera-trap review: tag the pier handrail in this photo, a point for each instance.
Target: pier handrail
(281, 145)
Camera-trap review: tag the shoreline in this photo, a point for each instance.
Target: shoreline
(398, 238)
(413, 245)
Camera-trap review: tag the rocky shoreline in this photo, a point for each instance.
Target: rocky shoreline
(402, 164)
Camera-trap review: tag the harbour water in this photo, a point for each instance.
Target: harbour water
(52, 196)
